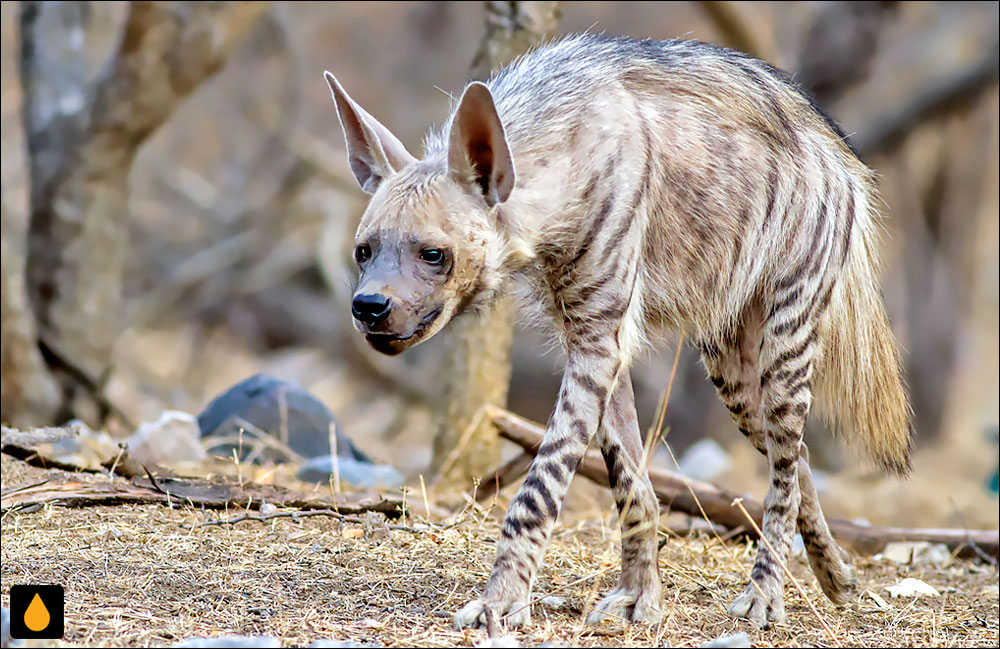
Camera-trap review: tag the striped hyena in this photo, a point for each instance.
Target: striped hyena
(629, 186)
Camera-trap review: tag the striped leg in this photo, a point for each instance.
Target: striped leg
(829, 562)
(639, 592)
(733, 370)
(786, 354)
(586, 386)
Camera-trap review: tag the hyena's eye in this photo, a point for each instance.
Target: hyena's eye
(433, 256)
(362, 253)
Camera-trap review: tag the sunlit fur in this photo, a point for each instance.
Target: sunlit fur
(671, 185)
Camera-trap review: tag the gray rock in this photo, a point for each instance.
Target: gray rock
(5, 639)
(83, 446)
(352, 472)
(227, 642)
(501, 642)
(258, 401)
(172, 439)
(740, 639)
(553, 602)
(704, 460)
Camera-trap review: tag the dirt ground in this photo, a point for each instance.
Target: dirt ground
(142, 576)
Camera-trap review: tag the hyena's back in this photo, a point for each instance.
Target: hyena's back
(740, 194)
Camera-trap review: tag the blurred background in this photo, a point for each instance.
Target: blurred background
(178, 215)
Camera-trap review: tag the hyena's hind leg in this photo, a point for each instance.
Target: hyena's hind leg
(639, 593)
(829, 562)
(733, 369)
(772, 420)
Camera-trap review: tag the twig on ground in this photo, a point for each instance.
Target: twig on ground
(300, 514)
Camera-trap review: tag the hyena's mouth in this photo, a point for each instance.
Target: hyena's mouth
(392, 344)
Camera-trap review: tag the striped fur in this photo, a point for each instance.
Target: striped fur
(623, 187)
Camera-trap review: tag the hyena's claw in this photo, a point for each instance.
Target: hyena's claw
(760, 606)
(837, 577)
(511, 614)
(627, 604)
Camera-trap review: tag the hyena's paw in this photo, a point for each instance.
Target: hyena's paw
(761, 605)
(836, 575)
(631, 604)
(511, 613)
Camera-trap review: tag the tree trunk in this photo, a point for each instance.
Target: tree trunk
(478, 365)
(28, 393)
(81, 142)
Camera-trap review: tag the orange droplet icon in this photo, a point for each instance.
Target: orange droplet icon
(36, 617)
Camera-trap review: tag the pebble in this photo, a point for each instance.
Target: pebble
(553, 602)
(229, 642)
(740, 639)
(352, 472)
(916, 553)
(174, 438)
(704, 460)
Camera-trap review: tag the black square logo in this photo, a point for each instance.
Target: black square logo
(36, 612)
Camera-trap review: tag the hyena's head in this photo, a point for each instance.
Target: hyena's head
(428, 246)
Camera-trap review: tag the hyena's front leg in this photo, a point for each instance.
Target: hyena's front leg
(586, 386)
(639, 593)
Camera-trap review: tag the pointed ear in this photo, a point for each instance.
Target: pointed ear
(373, 152)
(477, 138)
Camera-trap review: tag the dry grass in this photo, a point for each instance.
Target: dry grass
(138, 576)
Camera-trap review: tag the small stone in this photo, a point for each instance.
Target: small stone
(553, 602)
(266, 509)
(5, 638)
(704, 460)
(352, 533)
(174, 438)
(911, 587)
(84, 447)
(740, 639)
(352, 472)
(916, 553)
(229, 642)
(509, 640)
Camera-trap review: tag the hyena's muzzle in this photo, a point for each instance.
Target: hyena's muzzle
(394, 308)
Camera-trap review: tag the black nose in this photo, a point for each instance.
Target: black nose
(371, 309)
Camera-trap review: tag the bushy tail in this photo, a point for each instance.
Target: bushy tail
(859, 385)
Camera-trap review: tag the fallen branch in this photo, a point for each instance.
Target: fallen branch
(295, 515)
(78, 491)
(507, 473)
(35, 447)
(679, 493)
